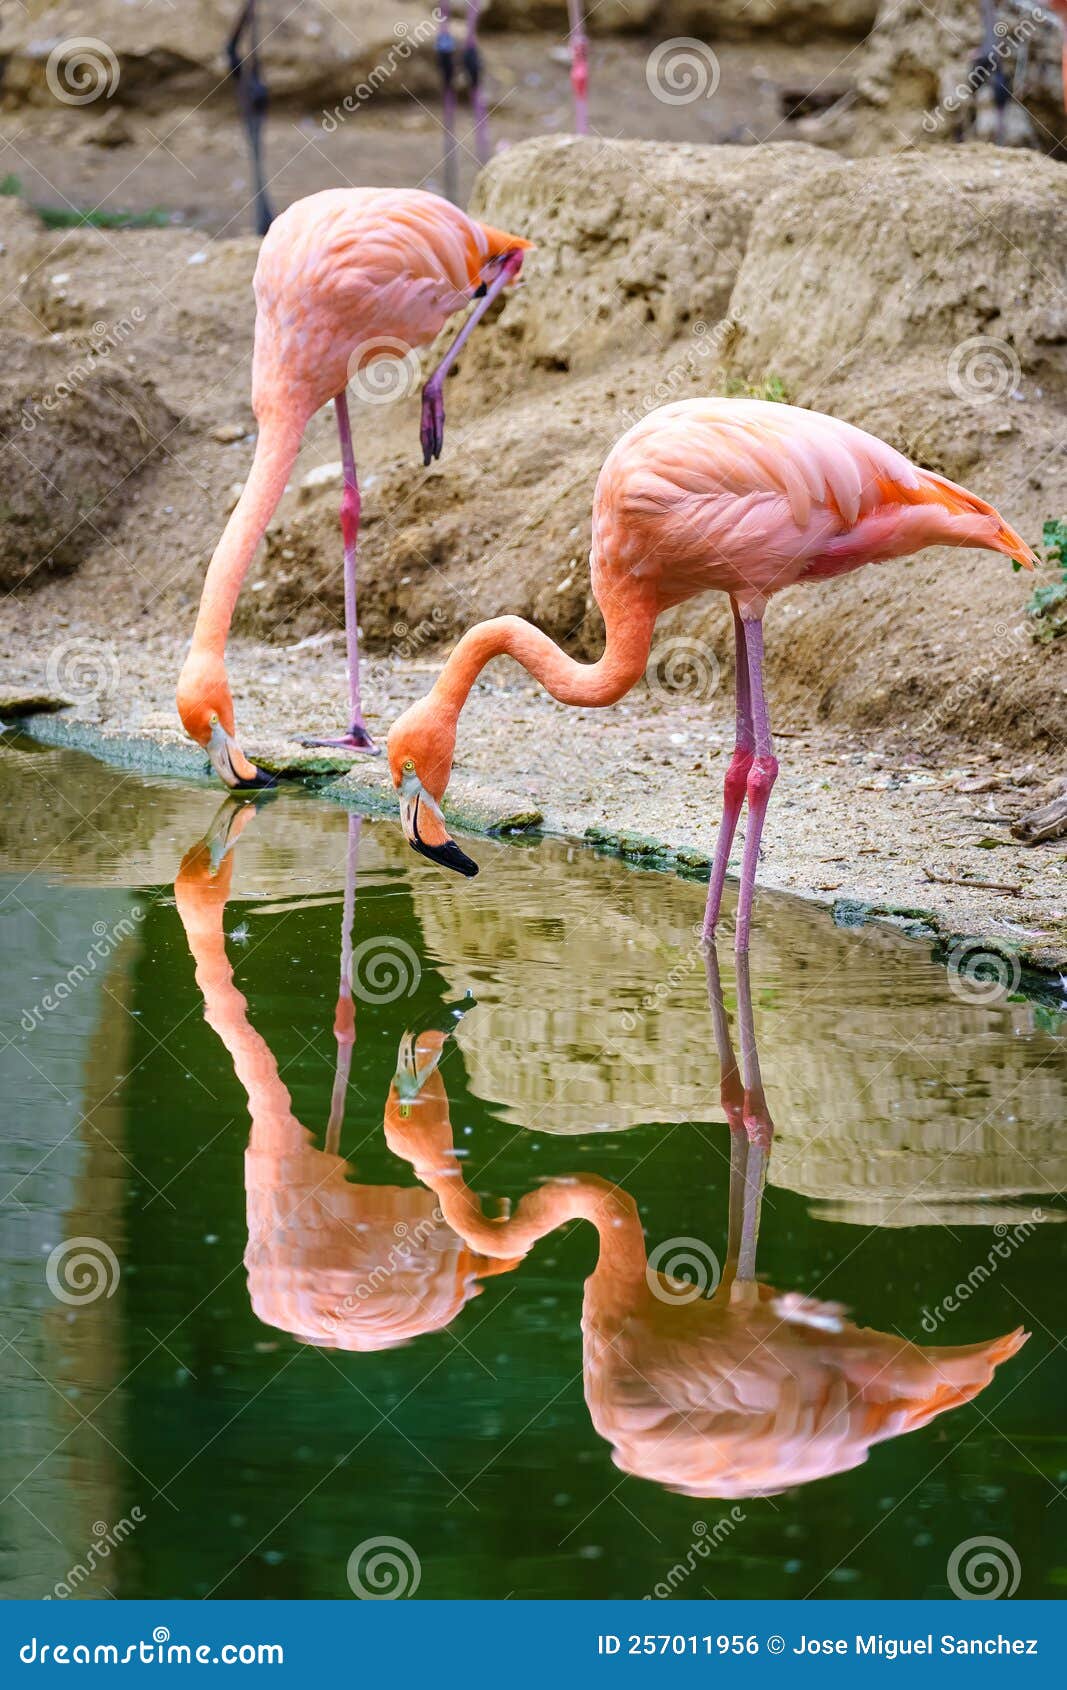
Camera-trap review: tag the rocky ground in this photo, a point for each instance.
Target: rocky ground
(919, 292)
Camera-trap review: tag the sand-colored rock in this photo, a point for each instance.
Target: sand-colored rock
(871, 262)
(637, 242)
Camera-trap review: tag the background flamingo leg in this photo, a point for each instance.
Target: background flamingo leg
(736, 779)
(761, 778)
(472, 65)
(252, 101)
(432, 430)
(358, 737)
(446, 65)
(344, 1021)
(579, 46)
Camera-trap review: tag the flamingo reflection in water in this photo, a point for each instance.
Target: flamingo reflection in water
(337, 1264)
(748, 1390)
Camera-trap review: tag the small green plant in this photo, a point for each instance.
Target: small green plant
(1048, 596)
(60, 217)
(771, 387)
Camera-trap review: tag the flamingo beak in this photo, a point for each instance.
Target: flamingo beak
(231, 765)
(424, 828)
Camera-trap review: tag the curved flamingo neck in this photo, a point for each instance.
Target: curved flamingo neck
(628, 623)
(274, 1126)
(276, 448)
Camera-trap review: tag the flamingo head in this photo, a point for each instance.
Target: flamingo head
(206, 709)
(421, 746)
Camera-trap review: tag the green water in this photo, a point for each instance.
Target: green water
(917, 1125)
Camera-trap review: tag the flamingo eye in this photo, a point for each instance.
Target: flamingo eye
(409, 767)
(214, 719)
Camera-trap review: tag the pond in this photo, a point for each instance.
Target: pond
(366, 1230)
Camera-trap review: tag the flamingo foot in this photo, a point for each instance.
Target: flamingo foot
(432, 428)
(356, 739)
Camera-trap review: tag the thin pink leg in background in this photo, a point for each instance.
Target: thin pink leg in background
(579, 46)
(344, 1021)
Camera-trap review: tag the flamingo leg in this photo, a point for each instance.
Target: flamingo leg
(344, 1021)
(472, 64)
(446, 65)
(357, 738)
(252, 101)
(761, 777)
(432, 430)
(736, 779)
(579, 47)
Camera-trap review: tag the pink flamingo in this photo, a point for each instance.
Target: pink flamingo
(738, 495)
(744, 1390)
(344, 277)
(338, 1264)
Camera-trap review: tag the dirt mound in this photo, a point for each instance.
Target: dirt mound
(73, 424)
(75, 54)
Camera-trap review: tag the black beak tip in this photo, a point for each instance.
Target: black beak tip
(448, 856)
(259, 783)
